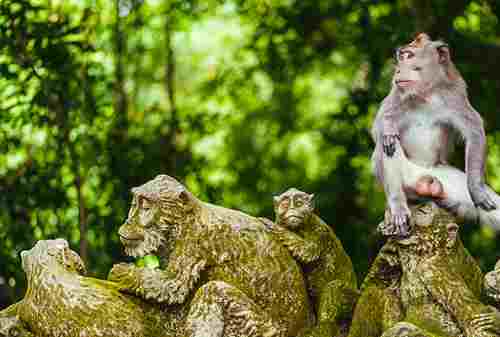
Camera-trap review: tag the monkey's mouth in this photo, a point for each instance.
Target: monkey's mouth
(408, 240)
(294, 218)
(130, 242)
(405, 83)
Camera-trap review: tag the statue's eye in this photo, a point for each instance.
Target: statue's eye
(146, 204)
(299, 202)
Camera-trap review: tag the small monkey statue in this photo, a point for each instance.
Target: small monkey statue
(415, 129)
(328, 270)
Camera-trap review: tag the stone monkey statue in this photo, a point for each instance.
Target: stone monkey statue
(328, 270)
(425, 285)
(60, 301)
(221, 270)
(426, 111)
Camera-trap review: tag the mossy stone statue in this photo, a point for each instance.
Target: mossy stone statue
(61, 302)
(222, 266)
(424, 285)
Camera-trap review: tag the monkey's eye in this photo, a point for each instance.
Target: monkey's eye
(417, 68)
(146, 204)
(423, 211)
(405, 54)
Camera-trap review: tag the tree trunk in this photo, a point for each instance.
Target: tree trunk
(170, 89)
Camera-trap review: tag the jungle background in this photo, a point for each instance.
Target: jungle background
(237, 99)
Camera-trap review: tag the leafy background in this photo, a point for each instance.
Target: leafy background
(238, 99)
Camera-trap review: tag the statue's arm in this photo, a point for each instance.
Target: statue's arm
(302, 250)
(170, 286)
(451, 291)
(10, 310)
(386, 268)
(10, 325)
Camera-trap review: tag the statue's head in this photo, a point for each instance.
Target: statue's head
(433, 229)
(51, 254)
(158, 207)
(293, 207)
(492, 284)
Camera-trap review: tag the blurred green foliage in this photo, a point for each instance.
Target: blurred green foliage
(238, 99)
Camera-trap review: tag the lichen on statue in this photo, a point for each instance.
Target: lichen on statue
(61, 302)
(222, 266)
(328, 270)
(426, 284)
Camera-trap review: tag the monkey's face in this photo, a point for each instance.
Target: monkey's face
(293, 208)
(140, 234)
(420, 66)
(47, 254)
(433, 230)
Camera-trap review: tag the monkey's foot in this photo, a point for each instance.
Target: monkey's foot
(430, 187)
(397, 222)
(390, 144)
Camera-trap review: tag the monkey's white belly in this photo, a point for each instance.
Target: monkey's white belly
(423, 139)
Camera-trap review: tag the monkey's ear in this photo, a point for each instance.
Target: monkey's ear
(311, 199)
(497, 265)
(186, 198)
(452, 229)
(276, 201)
(396, 53)
(444, 53)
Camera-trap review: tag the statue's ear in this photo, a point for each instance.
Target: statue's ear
(452, 229)
(310, 198)
(276, 201)
(186, 198)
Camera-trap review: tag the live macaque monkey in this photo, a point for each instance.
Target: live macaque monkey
(416, 127)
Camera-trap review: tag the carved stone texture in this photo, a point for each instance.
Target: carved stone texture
(61, 302)
(219, 266)
(328, 270)
(426, 284)
(492, 285)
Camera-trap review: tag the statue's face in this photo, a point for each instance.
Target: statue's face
(158, 206)
(50, 253)
(293, 207)
(432, 229)
(140, 233)
(492, 283)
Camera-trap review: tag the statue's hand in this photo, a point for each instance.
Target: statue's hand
(486, 322)
(268, 223)
(11, 326)
(127, 275)
(304, 251)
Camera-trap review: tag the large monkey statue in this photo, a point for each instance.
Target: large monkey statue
(425, 285)
(414, 131)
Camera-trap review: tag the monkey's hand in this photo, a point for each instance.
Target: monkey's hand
(126, 275)
(486, 322)
(268, 223)
(302, 250)
(389, 143)
(481, 197)
(397, 222)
